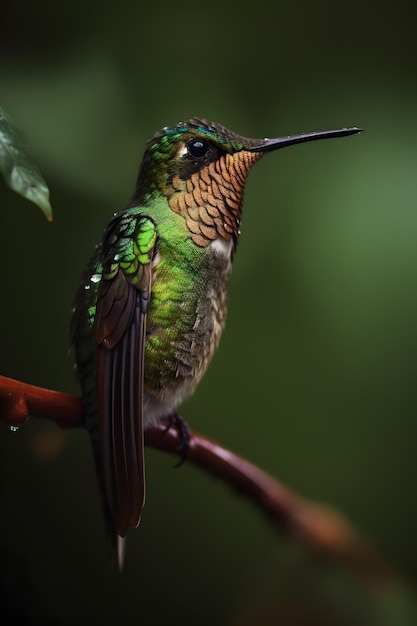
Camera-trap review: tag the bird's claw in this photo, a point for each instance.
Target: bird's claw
(174, 420)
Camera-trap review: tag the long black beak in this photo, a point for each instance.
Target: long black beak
(267, 145)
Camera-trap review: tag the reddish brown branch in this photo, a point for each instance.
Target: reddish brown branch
(19, 400)
(320, 529)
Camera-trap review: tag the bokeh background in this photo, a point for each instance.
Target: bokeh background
(315, 376)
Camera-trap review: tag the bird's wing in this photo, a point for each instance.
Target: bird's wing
(120, 332)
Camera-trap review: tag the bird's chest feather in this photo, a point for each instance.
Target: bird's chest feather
(186, 316)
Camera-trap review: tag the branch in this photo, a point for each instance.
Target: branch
(318, 528)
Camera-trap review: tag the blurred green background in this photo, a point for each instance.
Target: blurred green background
(315, 376)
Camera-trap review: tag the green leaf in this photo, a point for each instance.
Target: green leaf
(18, 168)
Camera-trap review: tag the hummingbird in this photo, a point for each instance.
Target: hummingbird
(151, 305)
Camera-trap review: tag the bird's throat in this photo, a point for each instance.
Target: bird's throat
(210, 200)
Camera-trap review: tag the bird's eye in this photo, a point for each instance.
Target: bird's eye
(197, 148)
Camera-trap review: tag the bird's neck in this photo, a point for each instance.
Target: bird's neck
(210, 200)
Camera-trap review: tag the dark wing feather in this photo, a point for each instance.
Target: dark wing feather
(120, 333)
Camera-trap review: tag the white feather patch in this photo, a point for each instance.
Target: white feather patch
(222, 247)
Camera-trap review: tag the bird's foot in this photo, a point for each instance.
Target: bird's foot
(174, 420)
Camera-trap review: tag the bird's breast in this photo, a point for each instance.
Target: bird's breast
(186, 317)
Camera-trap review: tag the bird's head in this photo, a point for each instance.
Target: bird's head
(201, 168)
